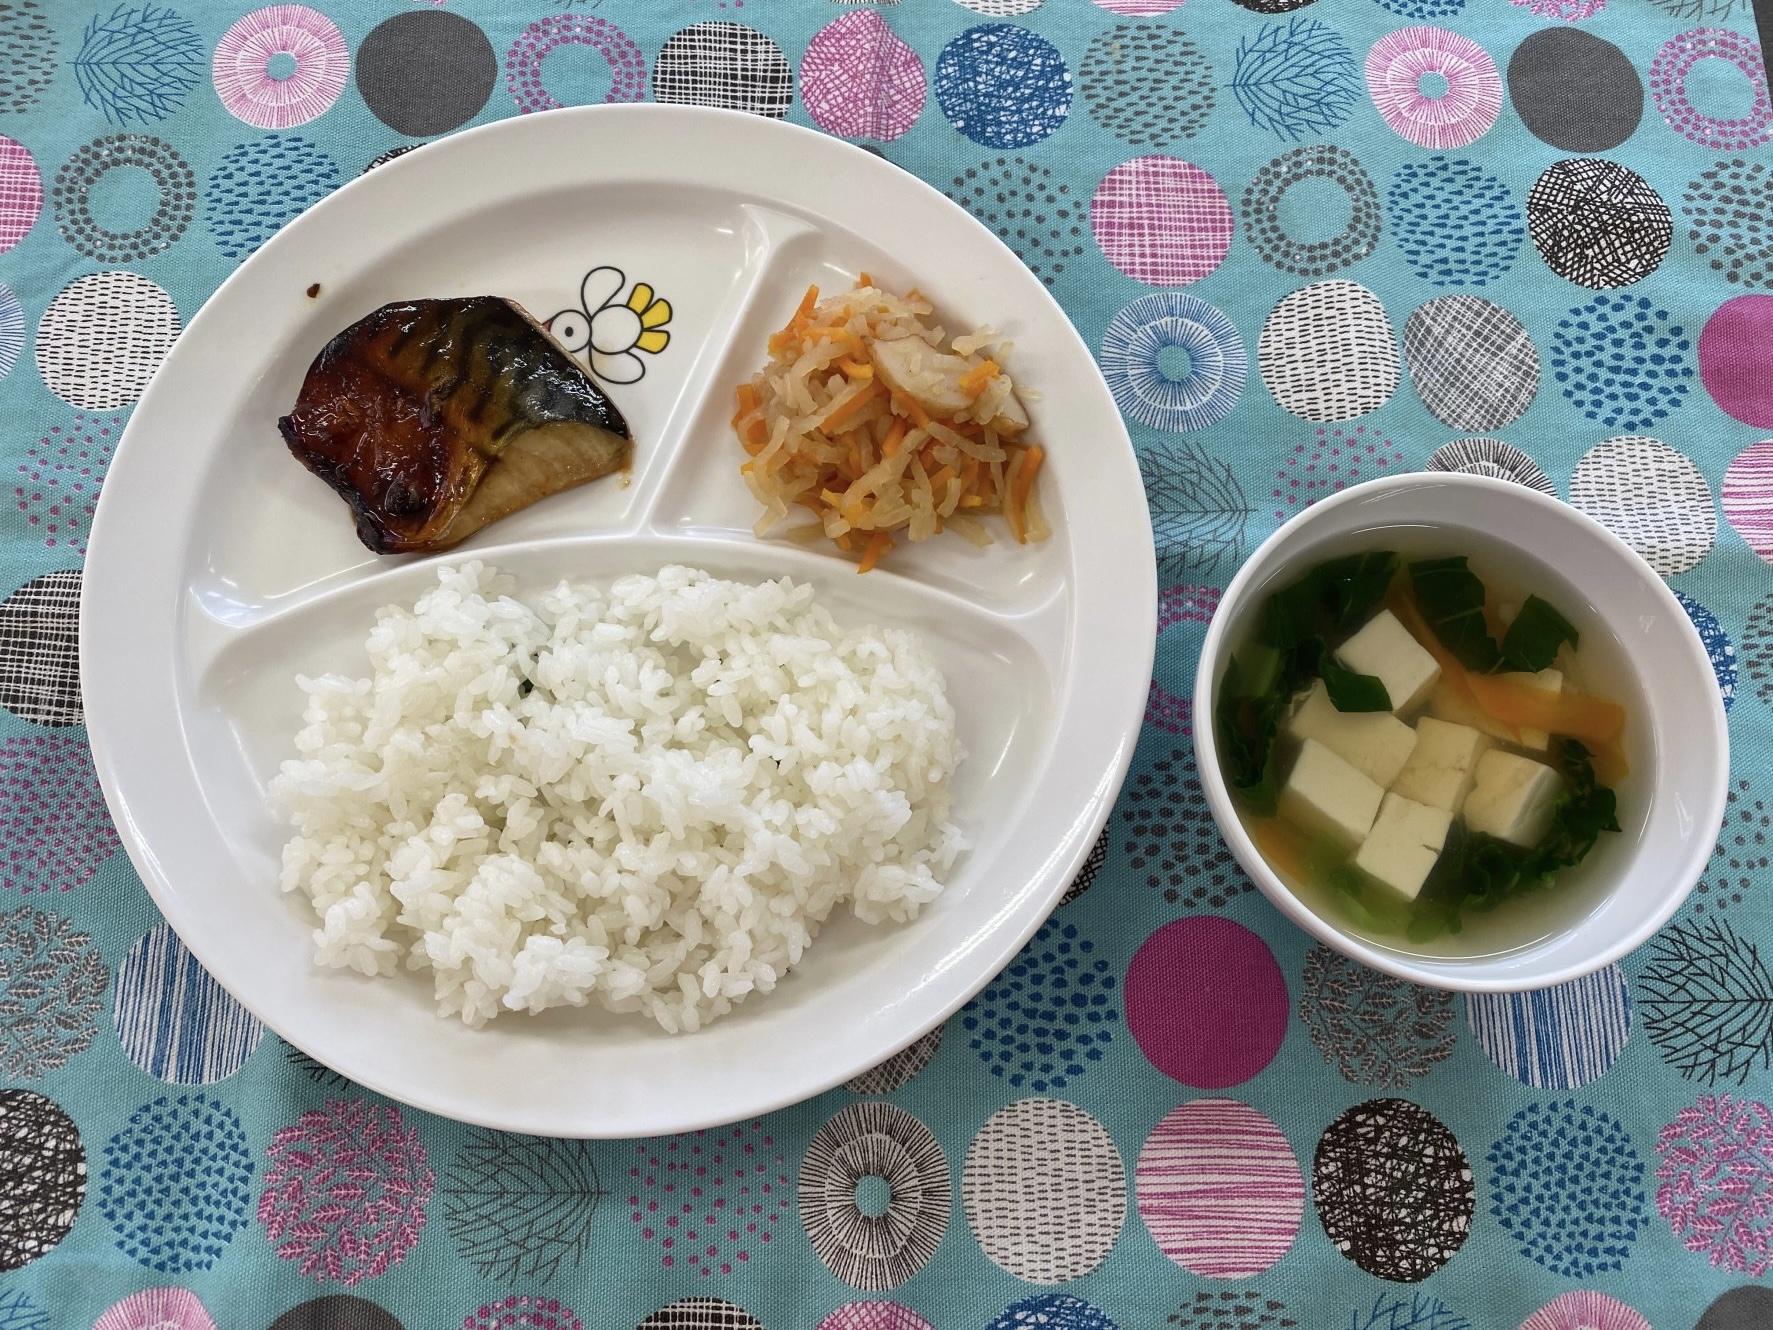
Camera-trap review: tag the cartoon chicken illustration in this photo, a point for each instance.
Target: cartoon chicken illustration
(610, 331)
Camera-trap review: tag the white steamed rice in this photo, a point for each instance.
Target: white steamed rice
(648, 797)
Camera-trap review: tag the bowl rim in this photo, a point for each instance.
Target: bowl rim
(1685, 874)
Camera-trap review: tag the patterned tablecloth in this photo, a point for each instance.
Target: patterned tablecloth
(1312, 243)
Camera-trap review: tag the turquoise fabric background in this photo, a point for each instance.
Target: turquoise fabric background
(1610, 1142)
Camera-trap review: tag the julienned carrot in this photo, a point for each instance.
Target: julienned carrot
(1525, 706)
(1020, 489)
(906, 407)
(977, 379)
(878, 544)
(1281, 846)
(851, 408)
(851, 370)
(889, 446)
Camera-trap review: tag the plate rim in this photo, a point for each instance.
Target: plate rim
(1003, 941)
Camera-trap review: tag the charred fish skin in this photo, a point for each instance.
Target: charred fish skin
(404, 413)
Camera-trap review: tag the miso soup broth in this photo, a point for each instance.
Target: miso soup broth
(1391, 799)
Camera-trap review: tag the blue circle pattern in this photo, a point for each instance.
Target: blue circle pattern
(1456, 224)
(1717, 645)
(1556, 1038)
(177, 1181)
(173, 1020)
(1568, 1185)
(1048, 1016)
(12, 329)
(1052, 1311)
(262, 186)
(1420, 9)
(1217, 370)
(1297, 79)
(1003, 86)
(1622, 360)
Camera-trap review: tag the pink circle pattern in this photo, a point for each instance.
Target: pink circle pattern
(21, 192)
(858, 80)
(1736, 358)
(1206, 1026)
(523, 62)
(1462, 114)
(1585, 1309)
(1139, 8)
(53, 820)
(1219, 1189)
(1161, 221)
(874, 1316)
(1715, 1181)
(1748, 497)
(1569, 11)
(1335, 459)
(1668, 85)
(520, 1311)
(156, 1309)
(59, 481)
(1186, 604)
(1169, 711)
(241, 68)
(346, 1190)
(709, 1199)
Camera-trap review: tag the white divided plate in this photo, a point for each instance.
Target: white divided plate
(219, 568)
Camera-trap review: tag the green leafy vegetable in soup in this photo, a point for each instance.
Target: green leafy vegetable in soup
(1394, 739)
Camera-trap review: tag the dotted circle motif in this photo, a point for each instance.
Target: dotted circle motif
(1470, 95)
(1161, 221)
(1146, 85)
(44, 1166)
(523, 62)
(1575, 91)
(52, 985)
(873, 1252)
(1049, 1016)
(1668, 86)
(1171, 838)
(725, 1189)
(54, 826)
(1217, 365)
(1029, 208)
(40, 650)
(726, 65)
(173, 1020)
(1327, 352)
(1003, 86)
(1455, 223)
(59, 480)
(1729, 223)
(1567, 1184)
(901, 1068)
(262, 186)
(1472, 362)
(523, 1311)
(859, 80)
(1219, 1189)
(1742, 857)
(1653, 498)
(1233, 1309)
(1376, 1029)
(1393, 1189)
(426, 72)
(1335, 459)
(176, 202)
(1311, 258)
(1622, 360)
(1044, 1190)
(30, 46)
(1566, 11)
(241, 67)
(1555, 1038)
(176, 1183)
(1492, 457)
(1597, 223)
(102, 338)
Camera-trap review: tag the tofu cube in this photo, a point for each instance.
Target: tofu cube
(1327, 797)
(1384, 647)
(1404, 844)
(1442, 766)
(1552, 681)
(1375, 743)
(1513, 798)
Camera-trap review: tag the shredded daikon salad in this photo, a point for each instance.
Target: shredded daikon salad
(872, 418)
